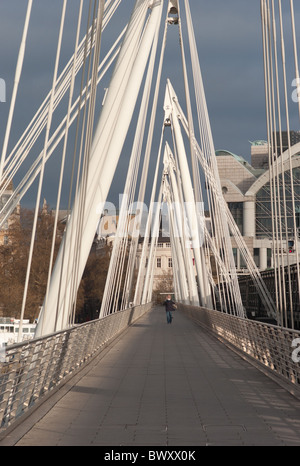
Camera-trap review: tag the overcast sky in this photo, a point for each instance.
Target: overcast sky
(228, 34)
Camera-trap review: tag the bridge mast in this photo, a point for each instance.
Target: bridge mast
(107, 144)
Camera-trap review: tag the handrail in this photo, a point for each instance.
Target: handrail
(31, 370)
(271, 346)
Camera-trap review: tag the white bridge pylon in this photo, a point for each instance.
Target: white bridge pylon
(107, 145)
(195, 219)
(181, 165)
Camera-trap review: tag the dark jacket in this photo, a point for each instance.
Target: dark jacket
(169, 305)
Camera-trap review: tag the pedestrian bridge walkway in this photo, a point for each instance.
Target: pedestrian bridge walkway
(165, 385)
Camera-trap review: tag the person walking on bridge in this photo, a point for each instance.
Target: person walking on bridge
(170, 306)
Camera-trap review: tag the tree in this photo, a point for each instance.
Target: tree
(13, 268)
(92, 285)
(164, 287)
(14, 258)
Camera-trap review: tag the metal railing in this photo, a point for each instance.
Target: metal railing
(31, 370)
(273, 347)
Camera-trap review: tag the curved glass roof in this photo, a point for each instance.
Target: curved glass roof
(236, 157)
(241, 160)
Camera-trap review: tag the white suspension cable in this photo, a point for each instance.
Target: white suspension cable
(116, 112)
(15, 88)
(295, 48)
(221, 230)
(141, 194)
(42, 169)
(54, 140)
(64, 153)
(142, 283)
(289, 144)
(86, 143)
(37, 124)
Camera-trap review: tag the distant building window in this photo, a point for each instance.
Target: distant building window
(158, 262)
(234, 250)
(269, 257)
(243, 264)
(170, 264)
(236, 209)
(160, 245)
(2, 90)
(256, 256)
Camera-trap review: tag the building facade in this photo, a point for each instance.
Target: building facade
(162, 266)
(247, 190)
